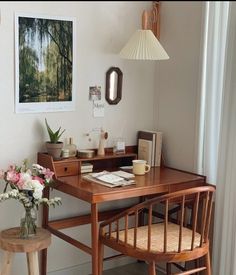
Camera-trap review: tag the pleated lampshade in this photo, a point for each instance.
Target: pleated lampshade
(143, 45)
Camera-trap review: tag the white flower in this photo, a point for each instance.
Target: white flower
(37, 167)
(57, 199)
(25, 179)
(14, 193)
(38, 194)
(37, 188)
(5, 196)
(35, 184)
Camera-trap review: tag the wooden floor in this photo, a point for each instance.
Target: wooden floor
(130, 269)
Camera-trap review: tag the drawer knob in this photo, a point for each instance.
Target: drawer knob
(65, 169)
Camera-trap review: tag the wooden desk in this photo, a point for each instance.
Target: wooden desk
(157, 181)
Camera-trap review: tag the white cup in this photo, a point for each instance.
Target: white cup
(140, 167)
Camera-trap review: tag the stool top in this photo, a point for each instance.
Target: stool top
(10, 240)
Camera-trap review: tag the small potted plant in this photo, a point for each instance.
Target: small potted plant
(54, 146)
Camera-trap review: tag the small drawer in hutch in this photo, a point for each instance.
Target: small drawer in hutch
(66, 168)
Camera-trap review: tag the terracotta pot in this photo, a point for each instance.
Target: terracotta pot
(54, 149)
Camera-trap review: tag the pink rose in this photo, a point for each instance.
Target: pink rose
(47, 173)
(39, 179)
(13, 176)
(12, 167)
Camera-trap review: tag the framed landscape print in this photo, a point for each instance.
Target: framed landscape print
(45, 64)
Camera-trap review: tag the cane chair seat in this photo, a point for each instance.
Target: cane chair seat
(157, 238)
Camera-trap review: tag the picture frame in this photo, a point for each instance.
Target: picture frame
(94, 93)
(45, 63)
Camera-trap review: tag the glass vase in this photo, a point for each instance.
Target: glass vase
(28, 223)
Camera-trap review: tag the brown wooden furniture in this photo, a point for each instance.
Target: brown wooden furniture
(72, 166)
(11, 243)
(163, 241)
(159, 180)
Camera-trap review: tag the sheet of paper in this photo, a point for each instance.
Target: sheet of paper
(124, 174)
(98, 108)
(90, 177)
(110, 178)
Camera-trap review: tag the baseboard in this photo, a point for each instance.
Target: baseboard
(85, 268)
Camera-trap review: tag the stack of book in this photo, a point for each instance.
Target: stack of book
(86, 167)
(149, 147)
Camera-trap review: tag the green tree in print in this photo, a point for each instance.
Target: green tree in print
(45, 60)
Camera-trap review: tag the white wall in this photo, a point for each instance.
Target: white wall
(102, 30)
(177, 96)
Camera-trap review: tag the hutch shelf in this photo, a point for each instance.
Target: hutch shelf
(72, 166)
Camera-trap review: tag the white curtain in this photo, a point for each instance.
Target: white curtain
(224, 245)
(217, 139)
(213, 64)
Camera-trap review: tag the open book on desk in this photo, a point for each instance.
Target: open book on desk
(111, 179)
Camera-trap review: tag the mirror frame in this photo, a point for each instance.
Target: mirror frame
(119, 85)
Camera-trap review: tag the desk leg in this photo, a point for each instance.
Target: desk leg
(46, 194)
(94, 233)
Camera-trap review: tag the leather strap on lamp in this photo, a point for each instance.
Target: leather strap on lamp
(151, 19)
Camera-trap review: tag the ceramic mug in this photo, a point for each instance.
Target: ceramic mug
(140, 167)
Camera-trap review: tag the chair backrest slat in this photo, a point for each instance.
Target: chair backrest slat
(117, 230)
(194, 220)
(126, 227)
(109, 230)
(149, 227)
(166, 225)
(135, 227)
(204, 217)
(181, 223)
(209, 217)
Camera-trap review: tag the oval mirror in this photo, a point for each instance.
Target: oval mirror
(114, 78)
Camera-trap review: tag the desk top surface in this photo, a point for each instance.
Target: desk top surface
(158, 180)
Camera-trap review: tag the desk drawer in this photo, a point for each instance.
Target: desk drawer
(67, 169)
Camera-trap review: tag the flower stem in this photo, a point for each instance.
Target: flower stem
(5, 189)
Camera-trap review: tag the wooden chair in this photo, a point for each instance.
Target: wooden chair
(163, 240)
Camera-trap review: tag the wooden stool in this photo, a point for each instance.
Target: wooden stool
(11, 243)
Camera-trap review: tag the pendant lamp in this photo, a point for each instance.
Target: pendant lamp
(144, 45)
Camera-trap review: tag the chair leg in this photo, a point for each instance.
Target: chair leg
(168, 268)
(6, 268)
(152, 268)
(100, 257)
(208, 263)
